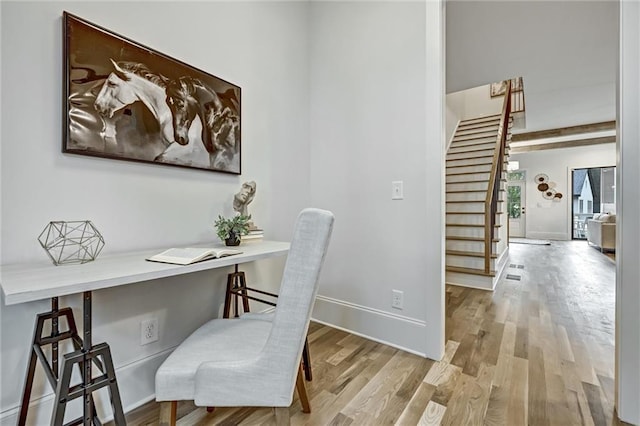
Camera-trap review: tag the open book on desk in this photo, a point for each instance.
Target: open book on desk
(187, 256)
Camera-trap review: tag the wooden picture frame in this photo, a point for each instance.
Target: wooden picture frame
(498, 89)
(126, 101)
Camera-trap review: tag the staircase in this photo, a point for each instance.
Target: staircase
(469, 216)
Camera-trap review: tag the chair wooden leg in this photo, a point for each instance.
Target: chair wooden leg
(282, 416)
(302, 392)
(168, 413)
(306, 361)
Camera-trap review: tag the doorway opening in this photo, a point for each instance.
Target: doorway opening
(594, 192)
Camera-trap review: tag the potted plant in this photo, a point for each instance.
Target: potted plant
(230, 230)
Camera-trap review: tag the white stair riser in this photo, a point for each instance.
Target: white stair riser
(466, 196)
(475, 137)
(487, 119)
(469, 162)
(467, 186)
(460, 178)
(470, 154)
(469, 169)
(461, 245)
(477, 129)
(473, 142)
(478, 146)
(463, 178)
(472, 219)
(465, 231)
(470, 280)
(469, 262)
(475, 206)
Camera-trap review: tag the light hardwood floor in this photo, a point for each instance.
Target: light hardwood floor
(538, 350)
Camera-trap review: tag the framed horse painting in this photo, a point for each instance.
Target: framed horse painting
(126, 101)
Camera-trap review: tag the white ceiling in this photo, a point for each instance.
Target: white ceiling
(566, 51)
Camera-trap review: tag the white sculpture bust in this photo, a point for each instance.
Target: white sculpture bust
(244, 197)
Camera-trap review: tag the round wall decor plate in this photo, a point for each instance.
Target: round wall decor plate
(549, 194)
(543, 187)
(541, 178)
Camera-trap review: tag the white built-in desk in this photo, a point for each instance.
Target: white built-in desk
(36, 281)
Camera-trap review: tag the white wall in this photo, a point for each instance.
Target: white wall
(628, 237)
(260, 46)
(548, 219)
(568, 64)
(377, 116)
(475, 102)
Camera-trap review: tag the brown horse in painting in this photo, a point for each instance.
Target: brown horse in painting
(187, 98)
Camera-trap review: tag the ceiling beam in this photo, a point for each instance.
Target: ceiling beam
(564, 131)
(556, 145)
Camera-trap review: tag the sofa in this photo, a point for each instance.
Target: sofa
(601, 231)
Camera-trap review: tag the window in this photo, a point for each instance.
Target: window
(515, 176)
(581, 209)
(589, 206)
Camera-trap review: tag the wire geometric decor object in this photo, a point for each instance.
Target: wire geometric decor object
(71, 242)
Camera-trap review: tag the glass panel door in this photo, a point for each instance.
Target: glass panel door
(515, 204)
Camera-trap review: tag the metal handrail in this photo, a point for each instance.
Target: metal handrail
(493, 188)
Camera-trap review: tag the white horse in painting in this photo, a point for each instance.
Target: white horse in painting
(131, 82)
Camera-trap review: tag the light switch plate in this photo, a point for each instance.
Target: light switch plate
(397, 192)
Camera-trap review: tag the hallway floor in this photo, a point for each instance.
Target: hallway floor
(538, 351)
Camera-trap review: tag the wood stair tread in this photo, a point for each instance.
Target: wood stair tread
(469, 253)
(470, 158)
(471, 142)
(469, 181)
(477, 130)
(469, 165)
(467, 173)
(481, 126)
(470, 212)
(468, 201)
(470, 225)
(462, 191)
(471, 271)
(483, 118)
(474, 137)
(476, 149)
(481, 239)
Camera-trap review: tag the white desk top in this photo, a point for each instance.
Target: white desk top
(35, 281)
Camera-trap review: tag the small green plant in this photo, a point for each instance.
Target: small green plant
(232, 228)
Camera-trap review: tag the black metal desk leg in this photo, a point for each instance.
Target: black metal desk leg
(84, 357)
(87, 345)
(31, 369)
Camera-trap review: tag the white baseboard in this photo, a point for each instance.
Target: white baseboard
(408, 334)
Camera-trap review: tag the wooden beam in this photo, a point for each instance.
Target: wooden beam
(564, 131)
(567, 144)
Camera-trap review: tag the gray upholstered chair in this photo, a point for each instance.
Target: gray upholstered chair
(248, 361)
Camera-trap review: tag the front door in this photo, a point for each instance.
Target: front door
(515, 208)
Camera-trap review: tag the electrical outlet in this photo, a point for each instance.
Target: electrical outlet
(397, 300)
(148, 331)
